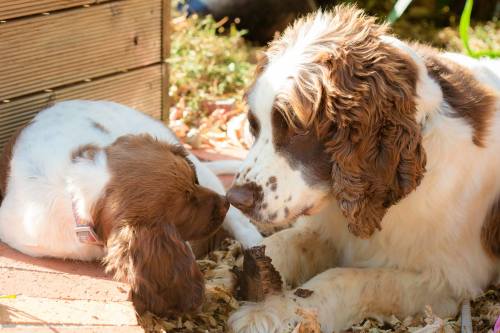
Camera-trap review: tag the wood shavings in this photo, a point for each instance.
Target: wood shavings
(309, 323)
(219, 268)
(428, 323)
(485, 310)
(434, 324)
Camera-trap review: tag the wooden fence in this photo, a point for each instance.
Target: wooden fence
(53, 50)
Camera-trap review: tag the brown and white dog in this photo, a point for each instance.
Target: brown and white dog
(390, 154)
(89, 180)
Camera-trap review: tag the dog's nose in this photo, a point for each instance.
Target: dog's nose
(242, 196)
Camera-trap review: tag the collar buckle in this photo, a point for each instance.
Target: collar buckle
(87, 235)
(84, 230)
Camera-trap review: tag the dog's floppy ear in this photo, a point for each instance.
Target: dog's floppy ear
(159, 267)
(374, 141)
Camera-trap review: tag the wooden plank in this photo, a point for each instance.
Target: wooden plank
(50, 51)
(165, 54)
(139, 89)
(17, 8)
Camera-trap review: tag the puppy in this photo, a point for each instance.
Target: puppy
(90, 180)
(389, 154)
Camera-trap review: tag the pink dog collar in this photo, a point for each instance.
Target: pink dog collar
(497, 326)
(85, 229)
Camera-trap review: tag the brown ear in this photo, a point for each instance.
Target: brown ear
(374, 141)
(159, 266)
(376, 176)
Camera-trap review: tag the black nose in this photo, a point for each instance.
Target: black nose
(242, 196)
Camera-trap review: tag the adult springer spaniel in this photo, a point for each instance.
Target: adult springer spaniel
(89, 180)
(389, 153)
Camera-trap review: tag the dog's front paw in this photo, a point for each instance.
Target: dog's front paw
(242, 229)
(249, 237)
(273, 316)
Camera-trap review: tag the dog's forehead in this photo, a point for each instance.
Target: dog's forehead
(275, 79)
(286, 58)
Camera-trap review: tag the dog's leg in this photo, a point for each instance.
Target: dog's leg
(241, 228)
(344, 296)
(300, 252)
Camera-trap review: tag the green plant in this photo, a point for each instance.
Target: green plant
(398, 10)
(206, 65)
(464, 34)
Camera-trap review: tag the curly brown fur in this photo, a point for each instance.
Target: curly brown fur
(159, 267)
(150, 208)
(358, 95)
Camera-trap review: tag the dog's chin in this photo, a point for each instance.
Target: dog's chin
(316, 208)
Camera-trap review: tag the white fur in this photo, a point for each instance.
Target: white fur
(263, 161)
(429, 249)
(36, 215)
(224, 167)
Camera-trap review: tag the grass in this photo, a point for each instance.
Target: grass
(206, 66)
(464, 35)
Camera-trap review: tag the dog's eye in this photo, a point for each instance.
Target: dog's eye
(191, 197)
(254, 124)
(191, 165)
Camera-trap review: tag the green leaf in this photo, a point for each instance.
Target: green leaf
(464, 26)
(398, 10)
(464, 34)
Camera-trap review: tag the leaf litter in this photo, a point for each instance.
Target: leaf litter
(219, 267)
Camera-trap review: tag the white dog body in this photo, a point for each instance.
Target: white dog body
(36, 217)
(429, 250)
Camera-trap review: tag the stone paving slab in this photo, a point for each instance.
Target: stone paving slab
(15, 259)
(52, 293)
(36, 310)
(56, 279)
(70, 329)
(55, 286)
(210, 154)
